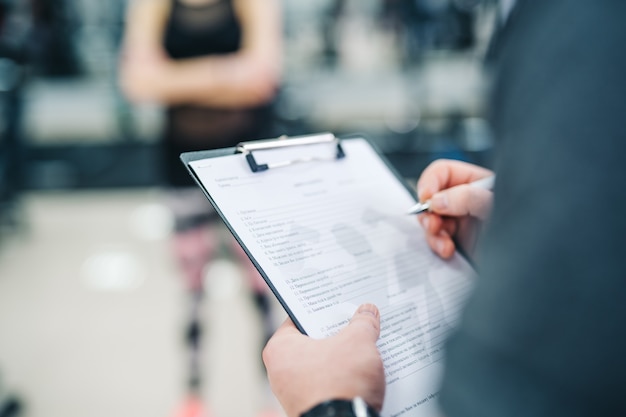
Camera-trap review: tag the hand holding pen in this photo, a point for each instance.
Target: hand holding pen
(455, 196)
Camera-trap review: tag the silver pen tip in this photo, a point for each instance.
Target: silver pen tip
(419, 208)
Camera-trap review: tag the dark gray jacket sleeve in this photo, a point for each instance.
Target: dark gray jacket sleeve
(544, 333)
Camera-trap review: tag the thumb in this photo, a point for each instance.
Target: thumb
(463, 200)
(365, 323)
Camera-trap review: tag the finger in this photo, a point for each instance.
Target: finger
(441, 244)
(445, 173)
(365, 322)
(463, 200)
(450, 225)
(431, 222)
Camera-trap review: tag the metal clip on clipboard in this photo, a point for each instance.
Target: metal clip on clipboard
(247, 148)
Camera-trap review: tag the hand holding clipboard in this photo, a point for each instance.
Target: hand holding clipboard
(324, 222)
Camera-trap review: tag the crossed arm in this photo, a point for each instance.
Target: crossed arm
(245, 78)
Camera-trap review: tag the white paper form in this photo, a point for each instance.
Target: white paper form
(332, 235)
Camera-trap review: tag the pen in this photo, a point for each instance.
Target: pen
(485, 183)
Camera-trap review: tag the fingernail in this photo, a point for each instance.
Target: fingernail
(439, 202)
(368, 309)
(441, 245)
(424, 220)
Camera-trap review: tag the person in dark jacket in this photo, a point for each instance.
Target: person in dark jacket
(543, 332)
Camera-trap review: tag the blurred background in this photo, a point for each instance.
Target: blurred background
(94, 320)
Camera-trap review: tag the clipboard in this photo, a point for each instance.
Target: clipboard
(323, 220)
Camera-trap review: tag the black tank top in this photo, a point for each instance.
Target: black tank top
(204, 30)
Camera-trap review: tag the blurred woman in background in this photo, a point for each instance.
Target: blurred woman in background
(216, 66)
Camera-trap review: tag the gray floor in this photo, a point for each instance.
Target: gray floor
(92, 314)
